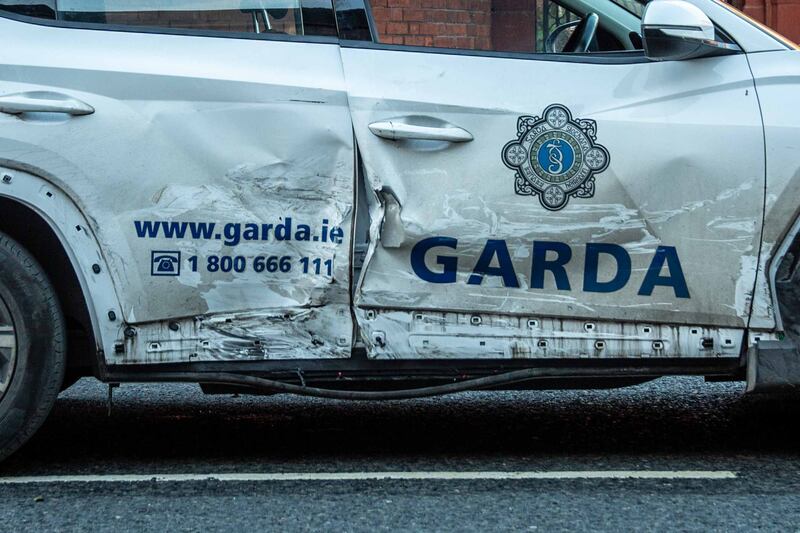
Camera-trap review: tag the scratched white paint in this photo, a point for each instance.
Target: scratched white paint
(744, 285)
(428, 335)
(675, 179)
(205, 130)
(777, 79)
(314, 333)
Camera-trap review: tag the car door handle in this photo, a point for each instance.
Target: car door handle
(43, 102)
(419, 128)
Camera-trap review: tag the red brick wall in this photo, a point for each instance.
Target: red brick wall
(781, 15)
(230, 20)
(445, 23)
(514, 25)
(508, 25)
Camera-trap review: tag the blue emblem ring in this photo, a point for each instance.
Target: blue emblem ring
(556, 157)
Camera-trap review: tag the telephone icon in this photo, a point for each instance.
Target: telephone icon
(165, 263)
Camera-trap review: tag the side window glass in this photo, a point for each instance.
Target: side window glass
(353, 20)
(530, 26)
(632, 6)
(556, 26)
(287, 17)
(44, 9)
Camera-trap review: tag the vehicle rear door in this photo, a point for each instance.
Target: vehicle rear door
(210, 144)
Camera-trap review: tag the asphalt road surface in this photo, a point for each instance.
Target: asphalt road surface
(676, 454)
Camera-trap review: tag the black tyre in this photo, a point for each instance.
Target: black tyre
(32, 346)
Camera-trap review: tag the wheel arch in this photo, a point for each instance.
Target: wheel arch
(47, 222)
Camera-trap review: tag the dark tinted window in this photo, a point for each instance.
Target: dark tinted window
(289, 17)
(353, 17)
(634, 6)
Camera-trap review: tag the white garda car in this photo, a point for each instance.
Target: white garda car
(308, 196)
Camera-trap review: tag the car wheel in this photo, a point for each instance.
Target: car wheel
(32, 346)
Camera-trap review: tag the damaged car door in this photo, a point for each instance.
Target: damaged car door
(210, 146)
(585, 203)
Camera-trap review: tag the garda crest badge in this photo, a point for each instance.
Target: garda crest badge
(555, 157)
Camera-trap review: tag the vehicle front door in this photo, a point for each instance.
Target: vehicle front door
(534, 205)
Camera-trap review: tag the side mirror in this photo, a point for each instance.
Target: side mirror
(673, 30)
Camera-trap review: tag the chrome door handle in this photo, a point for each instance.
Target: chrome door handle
(43, 102)
(419, 128)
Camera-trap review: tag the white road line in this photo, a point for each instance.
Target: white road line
(377, 476)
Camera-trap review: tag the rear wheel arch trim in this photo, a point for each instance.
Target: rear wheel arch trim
(59, 211)
(773, 265)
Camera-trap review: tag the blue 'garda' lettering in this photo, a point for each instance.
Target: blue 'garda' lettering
(561, 255)
(551, 257)
(590, 267)
(449, 264)
(504, 268)
(675, 278)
